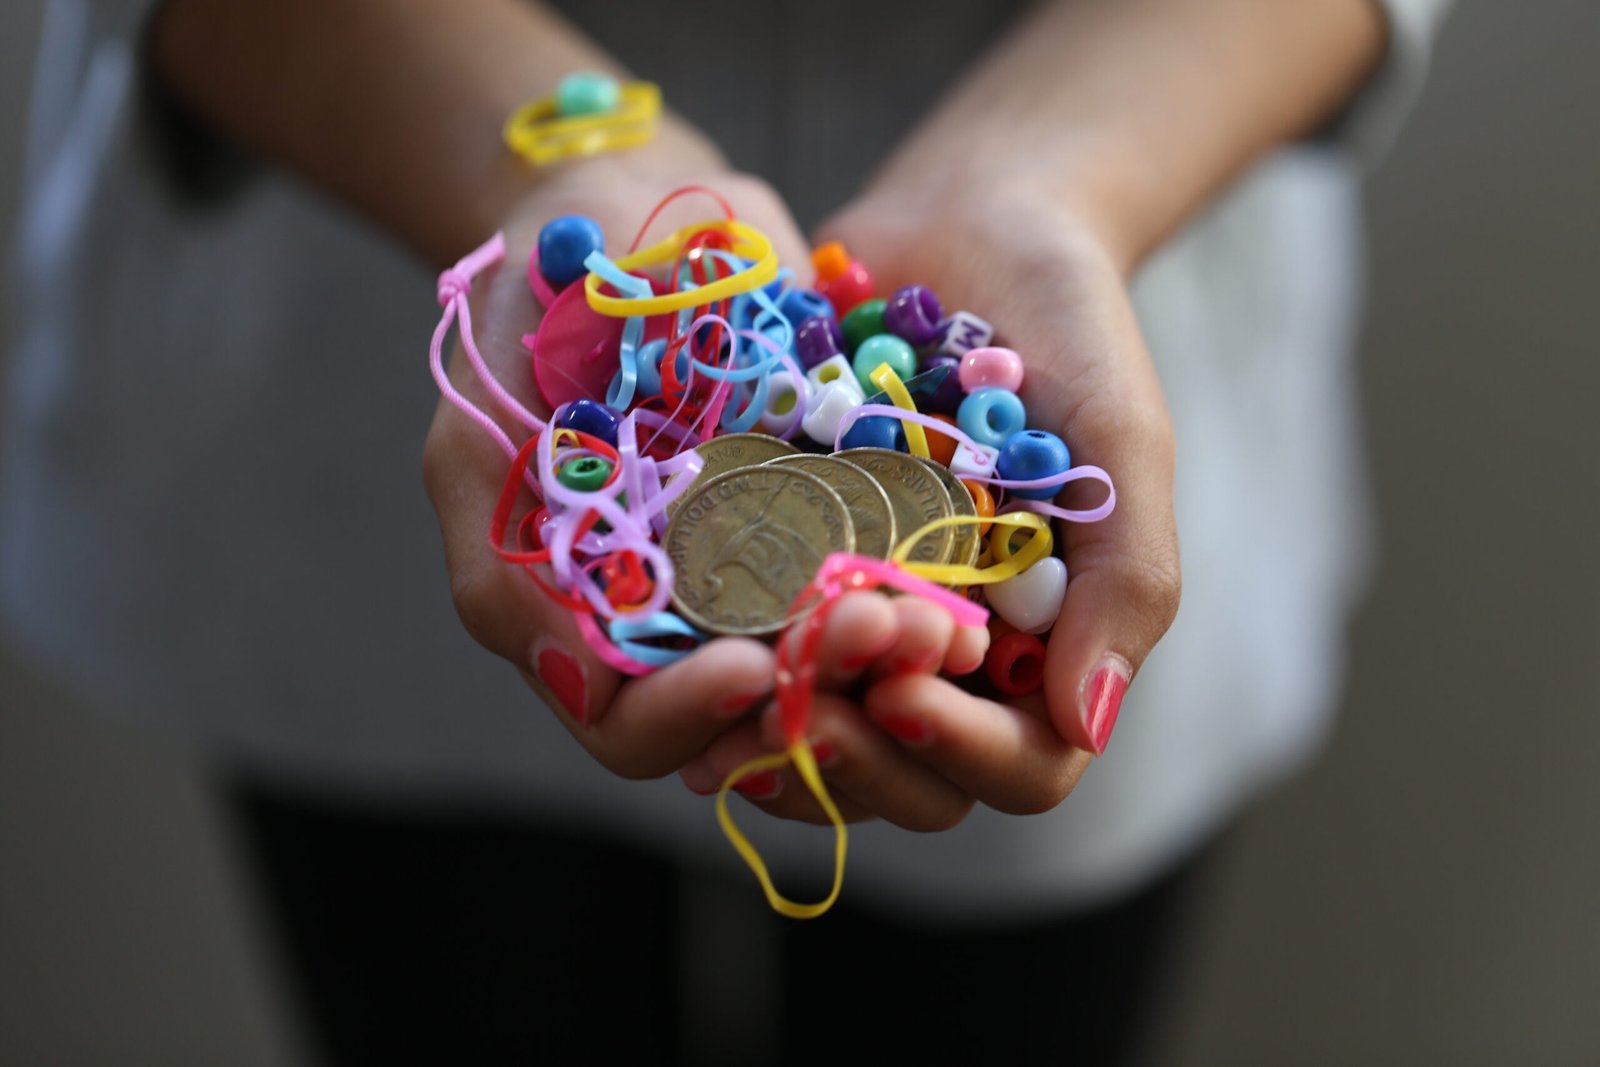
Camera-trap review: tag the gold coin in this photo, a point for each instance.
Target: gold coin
(732, 451)
(870, 512)
(916, 495)
(745, 543)
(967, 544)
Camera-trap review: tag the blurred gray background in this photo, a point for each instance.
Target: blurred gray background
(1428, 893)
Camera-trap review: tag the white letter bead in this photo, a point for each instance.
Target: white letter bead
(963, 332)
(827, 408)
(781, 390)
(1031, 601)
(835, 369)
(969, 464)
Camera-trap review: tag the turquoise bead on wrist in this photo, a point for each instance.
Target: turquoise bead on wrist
(587, 93)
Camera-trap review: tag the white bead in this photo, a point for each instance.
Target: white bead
(781, 393)
(835, 369)
(1031, 601)
(969, 464)
(963, 332)
(827, 407)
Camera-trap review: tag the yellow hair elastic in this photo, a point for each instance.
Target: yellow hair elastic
(537, 131)
(749, 243)
(805, 764)
(1007, 564)
(886, 379)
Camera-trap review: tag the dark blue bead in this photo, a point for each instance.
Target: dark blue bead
(798, 305)
(588, 416)
(564, 243)
(875, 431)
(947, 398)
(1032, 454)
(818, 339)
(914, 313)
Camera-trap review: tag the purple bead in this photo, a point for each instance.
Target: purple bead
(946, 400)
(914, 314)
(817, 340)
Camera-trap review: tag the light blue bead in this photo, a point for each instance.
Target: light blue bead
(587, 93)
(991, 415)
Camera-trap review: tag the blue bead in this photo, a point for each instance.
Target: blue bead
(1032, 454)
(798, 305)
(991, 415)
(590, 417)
(564, 243)
(875, 431)
(947, 398)
(817, 340)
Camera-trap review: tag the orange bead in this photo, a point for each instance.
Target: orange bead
(830, 261)
(982, 499)
(942, 447)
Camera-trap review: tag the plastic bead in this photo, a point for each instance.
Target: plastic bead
(941, 447)
(590, 417)
(826, 408)
(817, 339)
(875, 431)
(587, 93)
(991, 415)
(947, 398)
(835, 369)
(983, 501)
(585, 474)
(1031, 601)
(1015, 664)
(564, 243)
(983, 368)
(830, 260)
(962, 332)
(915, 314)
(783, 392)
(883, 348)
(1032, 454)
(798, 305)
(969, 464)
(844, 281)
(864, 320)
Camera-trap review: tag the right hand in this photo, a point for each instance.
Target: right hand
(637, 728)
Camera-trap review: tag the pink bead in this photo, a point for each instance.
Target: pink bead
(985, 367)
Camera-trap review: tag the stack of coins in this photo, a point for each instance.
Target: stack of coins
(763, 515)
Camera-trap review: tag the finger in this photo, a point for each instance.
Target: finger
(780, 793)
(967, 650)
(860, 628)
(924, 631)
(1009, 758)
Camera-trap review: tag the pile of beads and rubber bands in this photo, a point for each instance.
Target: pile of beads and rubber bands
(644, 358)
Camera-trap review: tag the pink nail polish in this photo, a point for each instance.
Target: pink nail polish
(1103, 700)
(697, 791)
(763, 785)
(908, 728)
(562, 674)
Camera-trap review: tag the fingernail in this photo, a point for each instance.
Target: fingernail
(908, 728)
(915, 664)
(761, 786)
(824, 753)
(1103, 700)
(855, 663)
(562, 674)
(697, 791)
(738, 703)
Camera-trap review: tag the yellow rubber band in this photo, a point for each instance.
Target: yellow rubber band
(1037, 547)
(805, 764)
(538, 133)
(886, 379)
(749, 243)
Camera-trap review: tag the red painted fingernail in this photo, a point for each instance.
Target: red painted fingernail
(915, 664)
(907, 728)
(824, 753)
(855, 663)
(735, 704)
(562, 674)
(697, 791)
(761, 786)
(1103, 700)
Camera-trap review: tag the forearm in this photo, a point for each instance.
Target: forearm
(394, 106)
(1136, 112)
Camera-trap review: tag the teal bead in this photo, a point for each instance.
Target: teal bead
(864, 320)
(584, 474)
(875, 351)
(587, 93)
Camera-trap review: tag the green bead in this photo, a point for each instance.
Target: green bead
(585, 474)
(587, 93)
(883, 348)
(863, 321)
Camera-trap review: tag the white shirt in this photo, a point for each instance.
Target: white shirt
(189, 537)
